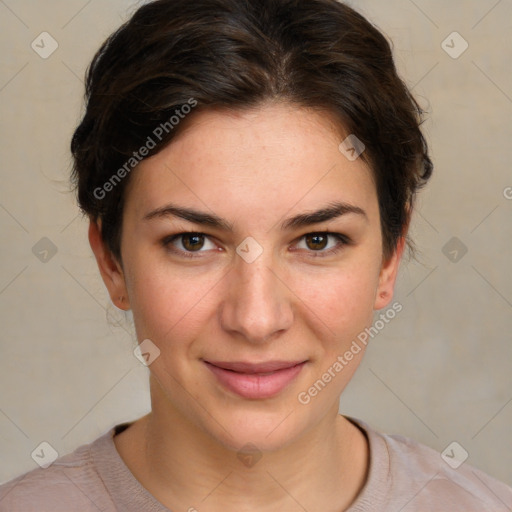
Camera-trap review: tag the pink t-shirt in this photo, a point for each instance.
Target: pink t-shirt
(403, 476)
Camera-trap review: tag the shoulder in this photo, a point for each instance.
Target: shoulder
(413, 477)
(71, 482)
(446, 476)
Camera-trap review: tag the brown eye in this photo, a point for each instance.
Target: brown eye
(189, 245)
(319, 244)
(316, 241)
(192, 241)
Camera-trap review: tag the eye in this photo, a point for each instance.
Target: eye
(317, 244)
(323, 243)
(187, 243)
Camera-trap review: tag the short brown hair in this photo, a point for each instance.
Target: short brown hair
(236, 54)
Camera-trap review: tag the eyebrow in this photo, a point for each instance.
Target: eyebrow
(330, 212)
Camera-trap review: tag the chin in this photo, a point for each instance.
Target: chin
(267, 428)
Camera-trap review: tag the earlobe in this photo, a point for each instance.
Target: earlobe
(110, 269)
(387, 277)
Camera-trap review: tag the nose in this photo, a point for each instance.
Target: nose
(258, 305)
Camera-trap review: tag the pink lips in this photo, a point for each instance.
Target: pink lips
(255, 380)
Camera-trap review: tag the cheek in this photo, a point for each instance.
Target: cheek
(341, 300)
(169, 305)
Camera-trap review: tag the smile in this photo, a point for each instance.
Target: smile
(255, 381)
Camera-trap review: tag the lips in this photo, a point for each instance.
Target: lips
(251, 368)
(255, 380)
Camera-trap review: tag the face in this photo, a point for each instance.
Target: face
(252, 258)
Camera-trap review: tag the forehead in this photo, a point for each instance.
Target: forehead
(262, 161)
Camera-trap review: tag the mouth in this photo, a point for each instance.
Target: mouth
(255, 380)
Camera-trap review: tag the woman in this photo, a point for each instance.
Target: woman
(249, 170)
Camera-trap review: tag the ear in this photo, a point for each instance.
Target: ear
(387, 276)
(111, 271)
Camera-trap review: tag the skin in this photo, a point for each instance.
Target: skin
(254, 169)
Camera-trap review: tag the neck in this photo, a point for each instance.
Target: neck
(185, 468)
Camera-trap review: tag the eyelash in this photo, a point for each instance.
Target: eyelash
(343, 240)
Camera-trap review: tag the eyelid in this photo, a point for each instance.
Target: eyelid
(167, 243)
(343, 240)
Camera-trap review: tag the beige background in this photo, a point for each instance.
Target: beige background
(439, 372)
